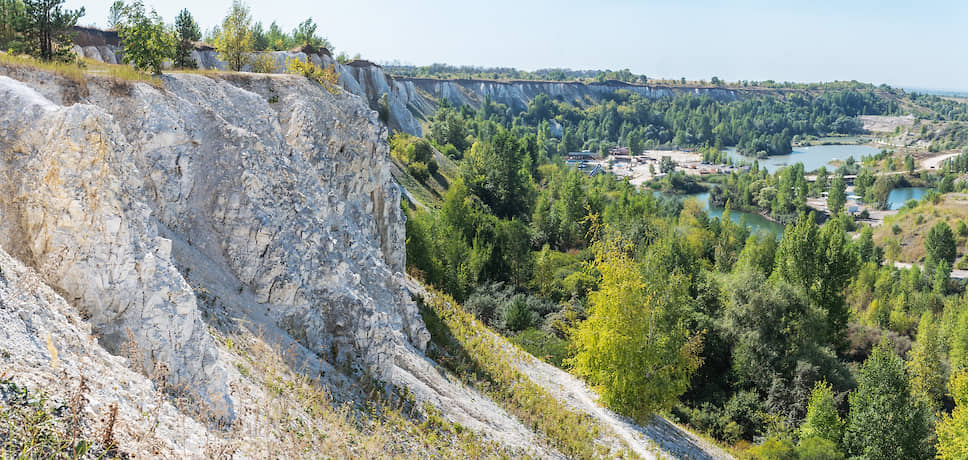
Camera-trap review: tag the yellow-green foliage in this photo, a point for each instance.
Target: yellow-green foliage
(263, 63)
(328, 77)
(952, 430)
(414, 153)
(235, 40)
(634, 347)
(822, 420)
(480, 358)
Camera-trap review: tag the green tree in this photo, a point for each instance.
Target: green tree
(235, 42)
(642, 310)
(305, 35)
(260, 40)
(11, 15)
(821, 262)
(925, 364)
(837, 196)
(494, 171)
(188, 32)
(886, 421)
(939, 246)
(277, 39)
(771, 326)
(957, 336)
(952, 430)
(147, 43)
(516, 315)
(822, 420)
(909, 164)
(48, 29)
(115, 14)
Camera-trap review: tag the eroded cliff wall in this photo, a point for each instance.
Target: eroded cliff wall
(279, 183)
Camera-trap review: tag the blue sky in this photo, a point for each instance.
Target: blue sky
(901, 43)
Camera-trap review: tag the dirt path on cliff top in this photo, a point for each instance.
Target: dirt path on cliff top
(659, 439)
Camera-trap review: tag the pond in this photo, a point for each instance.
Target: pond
(755, 222)
(901, 195)
(812, 157)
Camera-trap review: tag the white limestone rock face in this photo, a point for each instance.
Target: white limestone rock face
(73, 208)
(294, 198)
(48, 348)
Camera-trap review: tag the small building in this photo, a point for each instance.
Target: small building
(619, 151)
(579, 156)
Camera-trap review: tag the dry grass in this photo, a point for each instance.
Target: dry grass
(294, 416)
(71, 72)
(913, 224)
(467, 348)
(78, 73)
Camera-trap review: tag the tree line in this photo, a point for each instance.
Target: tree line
(44, 29)
(802, 346)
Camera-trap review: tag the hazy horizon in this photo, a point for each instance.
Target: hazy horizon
(890, 42)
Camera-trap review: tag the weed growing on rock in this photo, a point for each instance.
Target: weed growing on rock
(33, 426)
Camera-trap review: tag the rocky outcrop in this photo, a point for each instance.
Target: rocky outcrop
(46, 346)
(74, 209)
(280, 183)
(271, 195)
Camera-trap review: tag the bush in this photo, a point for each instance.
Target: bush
(818, 449)
(775, 448)
(546, 346)
(517, 316)
(263, 63)
(410, 150)
(451, 152)
(328, 77)
(745, 409)
(418, 170)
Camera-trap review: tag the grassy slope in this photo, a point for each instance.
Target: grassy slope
(467, 348)
(430, 193)
(908, 244)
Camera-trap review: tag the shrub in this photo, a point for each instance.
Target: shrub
(263, 63)
(328, 77)
(544, 345)
(517, 316)
(418, 170)
(775, 448)
(818, 449)
(745, 409)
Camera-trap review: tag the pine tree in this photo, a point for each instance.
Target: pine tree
(188, 31)
(48, 29)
